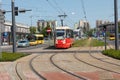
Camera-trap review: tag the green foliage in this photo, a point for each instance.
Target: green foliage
(112, 53)
(79, 43)
(90, 32)
(44, 30)
(87, 42)
(39, 28)
(6, 56)
(33, 30)
(95, 42)
(119, 27)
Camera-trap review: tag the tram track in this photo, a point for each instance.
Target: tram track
(34, 70)
(90, 53)
(102, 59)
(19, 76)
(75, 53)
(66, 71)
(20, 67)
(58, 67)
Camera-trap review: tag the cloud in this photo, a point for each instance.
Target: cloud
(73, 13)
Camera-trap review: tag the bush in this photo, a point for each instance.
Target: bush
(112, 53)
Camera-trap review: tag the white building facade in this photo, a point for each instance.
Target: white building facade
(21, 31)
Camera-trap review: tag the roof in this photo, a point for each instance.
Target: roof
(63, 27)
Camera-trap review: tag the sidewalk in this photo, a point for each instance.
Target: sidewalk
(6, 46)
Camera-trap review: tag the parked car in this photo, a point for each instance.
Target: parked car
(23, 43)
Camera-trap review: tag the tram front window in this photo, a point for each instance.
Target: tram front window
(60, 35)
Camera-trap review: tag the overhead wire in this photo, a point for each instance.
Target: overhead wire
(59, 10)
(84, 11)
(69, 20)
(52, 6)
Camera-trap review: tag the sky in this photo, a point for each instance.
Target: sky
(74, 9)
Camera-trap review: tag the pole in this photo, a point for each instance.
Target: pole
(0, 40)
(61, 22)
(116, 24)
(62, 16)
(105, 39)
(13, 27)
(49, 38)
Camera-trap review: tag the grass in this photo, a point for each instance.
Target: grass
(7, 56)
(79, 43)
(112, 53)
(87, 43)
(95, 42)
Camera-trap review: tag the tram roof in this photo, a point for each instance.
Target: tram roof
(63, 27)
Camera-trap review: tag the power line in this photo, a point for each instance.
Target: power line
(52, 6)
(84, 11)
(59, 10)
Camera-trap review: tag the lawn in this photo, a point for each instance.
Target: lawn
(94, 43)
(112, 53)
(7, 56)
(87, 43)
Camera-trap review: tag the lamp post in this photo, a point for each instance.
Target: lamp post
(13, 27)
(116, 24)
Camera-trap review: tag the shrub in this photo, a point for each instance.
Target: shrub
(112, 53)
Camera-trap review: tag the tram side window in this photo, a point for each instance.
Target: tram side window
(31, 38)
(40, 38)
(69, 33)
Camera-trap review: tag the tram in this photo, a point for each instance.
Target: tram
(77, 34)
(63, 37)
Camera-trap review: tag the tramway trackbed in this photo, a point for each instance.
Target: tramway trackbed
(110, 68)
(25, 70)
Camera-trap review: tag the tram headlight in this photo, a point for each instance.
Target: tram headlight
(56, 42)
(64, 41)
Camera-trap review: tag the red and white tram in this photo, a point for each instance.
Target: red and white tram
(63, 37)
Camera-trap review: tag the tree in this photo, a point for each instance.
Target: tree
(32, 30)
(90, 32)
(119, 27)
(44, 30)
(39, 28)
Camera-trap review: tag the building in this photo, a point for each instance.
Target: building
(2, 20)
(109, 28)
(84, 25)
(22, 31)
(98, 23)
(41, 24)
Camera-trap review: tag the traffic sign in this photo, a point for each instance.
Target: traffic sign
(5, 34)
(48, 30)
